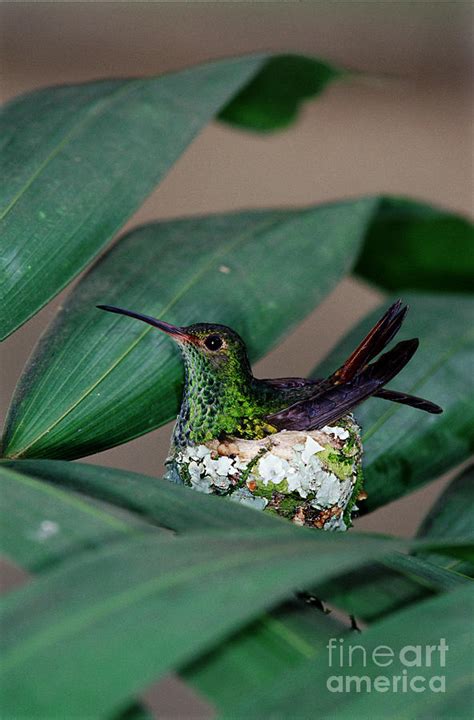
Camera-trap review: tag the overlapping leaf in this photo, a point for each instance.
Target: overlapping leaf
(261, 654)
(78, 161)
(452, 513)
(77, 618)
(381, 589)
(426, 624)
(97, 380)
(119, 617)
(405, 448)
(272, 98)
(450, 516)
(43, 524)
(413, 246)
(49, 517)
(389, 585)
(153, 500)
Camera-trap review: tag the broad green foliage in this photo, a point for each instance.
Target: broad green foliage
(135, 577)
(389, 585)
(79, 160)
(261, 654)
(174, 597)
(294, 633)
(92, 152)
(126, 377)
(43, 524)
(258, 657)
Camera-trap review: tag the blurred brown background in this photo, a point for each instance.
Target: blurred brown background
(404, 130)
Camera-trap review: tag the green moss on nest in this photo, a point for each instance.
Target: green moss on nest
(337, 463)
(185, 475)
(267, 490)
(246, 473)
(288, 506)
(359, 484)
(352, 445)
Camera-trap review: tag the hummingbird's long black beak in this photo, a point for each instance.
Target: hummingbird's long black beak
(173, 330)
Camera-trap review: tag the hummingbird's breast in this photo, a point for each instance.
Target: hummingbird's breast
(199, 416)
(213, 407)
(204, 405)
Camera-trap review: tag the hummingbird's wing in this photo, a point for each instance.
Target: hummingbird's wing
(292, 389)
(332, 401)
(373, 343)
(397, 396)
(392, 395)
(291, 383)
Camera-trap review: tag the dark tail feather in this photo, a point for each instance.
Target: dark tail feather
(411, 400)
(390, 363)
(378, 338)
(337, 400)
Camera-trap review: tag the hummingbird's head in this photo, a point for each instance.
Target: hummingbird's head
(207, 348)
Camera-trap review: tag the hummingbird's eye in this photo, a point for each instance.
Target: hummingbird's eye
(213, 342)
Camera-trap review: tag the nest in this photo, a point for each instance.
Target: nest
(311, 478)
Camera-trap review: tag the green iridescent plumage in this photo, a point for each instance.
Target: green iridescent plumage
(221, 396)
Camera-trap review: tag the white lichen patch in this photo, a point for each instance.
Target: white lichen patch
(313, 478)
(311, 447)
(338, 432)
(273, 469)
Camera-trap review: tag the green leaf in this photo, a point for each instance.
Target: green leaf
(422, 625)
(79, 160)
(97, 380)
(118, 617)
(272, 99)
(42, 524)
(73, 605)
(151, 499)
(404, 447)
(387, 586)
(451, 516)
(136, 712)
(414, 246)
(452, 513)
(262, 653)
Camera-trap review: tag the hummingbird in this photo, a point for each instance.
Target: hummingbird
(222, 398)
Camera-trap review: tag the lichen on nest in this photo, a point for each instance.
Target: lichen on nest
(313, 478)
